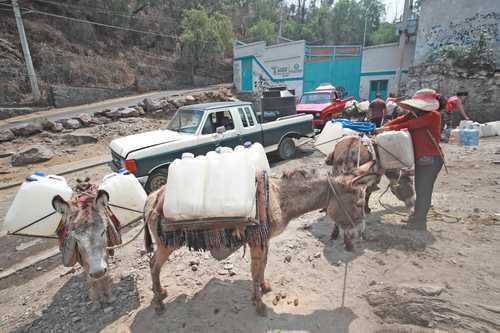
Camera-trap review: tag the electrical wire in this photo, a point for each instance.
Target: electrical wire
(97, 9)
(99, 24)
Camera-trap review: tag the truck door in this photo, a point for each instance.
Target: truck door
(250, 128)
(217, 119)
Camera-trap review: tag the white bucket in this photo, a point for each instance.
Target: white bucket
(330, 136)
(33, 202)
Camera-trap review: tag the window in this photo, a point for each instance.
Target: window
(186, 121)
(218, 119)
(243, 118)
(315, 98)
(249, 115)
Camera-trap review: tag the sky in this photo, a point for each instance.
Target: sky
(392, 7)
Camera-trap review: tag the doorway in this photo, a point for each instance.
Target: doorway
(378, 87)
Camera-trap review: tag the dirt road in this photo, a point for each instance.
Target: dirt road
(446, 280)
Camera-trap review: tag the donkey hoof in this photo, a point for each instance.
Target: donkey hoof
(265, 287)
(161, 295)
(159, 307)
(261, 309)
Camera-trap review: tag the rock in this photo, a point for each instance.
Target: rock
(128, 112)
(27, 129)
(194, 268)
(39, 268)
(288, 258)
(32, 154)
(85, 119)
(70, 123)
(228, 266)
(109, 309)
(76, 319)
(276, 299)
(372, 283)
(232, 273)
(140, 110)
(151, 105)
(296, 302)
(101, 120)
(78, 138)
(6, 135)
(282, 295)
(6, 154)
(194, 262)
(317, 255)
(128, 120)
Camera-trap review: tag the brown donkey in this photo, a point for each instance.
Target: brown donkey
(346, 177)
(291, 195)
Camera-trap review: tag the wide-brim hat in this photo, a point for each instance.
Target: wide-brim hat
(364, 106)
(424, 99)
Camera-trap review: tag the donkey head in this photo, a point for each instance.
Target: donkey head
(347, 206)
(85, 223)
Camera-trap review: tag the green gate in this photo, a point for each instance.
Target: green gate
(338, 65)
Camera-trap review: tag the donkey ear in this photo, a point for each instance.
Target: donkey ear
(102, 199)
(364, 180)
(59, 204)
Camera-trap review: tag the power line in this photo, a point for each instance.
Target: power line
(97, 9)
(98, 23)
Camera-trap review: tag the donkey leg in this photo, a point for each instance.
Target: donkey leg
(257, 255)
(335, 232)
(349, 246)
(265, 286)
(161, 255)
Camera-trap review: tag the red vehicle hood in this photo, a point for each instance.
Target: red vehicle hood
(312, 107)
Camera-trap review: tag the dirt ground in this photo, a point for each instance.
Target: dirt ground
(444, 280)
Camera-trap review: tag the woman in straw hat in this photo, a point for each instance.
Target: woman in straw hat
(424, 124)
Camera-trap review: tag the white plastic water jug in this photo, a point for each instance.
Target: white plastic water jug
(184, 199)
(330, 136)
(455, 135)
(256, 155)
(124, 191)
(395, 150)
(33, 202)
(465, 124)
(496, 126)
(486, 130)
(230, 187)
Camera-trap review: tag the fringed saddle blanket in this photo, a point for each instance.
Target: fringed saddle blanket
(202, 239)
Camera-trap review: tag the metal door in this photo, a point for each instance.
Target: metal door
(378, 86)
(246, 74)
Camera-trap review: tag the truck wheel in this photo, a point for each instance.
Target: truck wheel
(157, 179)
(286, 149)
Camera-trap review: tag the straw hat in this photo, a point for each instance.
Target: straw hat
(424, 99)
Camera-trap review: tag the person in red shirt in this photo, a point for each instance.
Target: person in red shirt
(454, 104)
(377, 110)
(424, 124)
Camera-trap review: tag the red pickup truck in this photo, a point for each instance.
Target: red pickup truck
(323, 103)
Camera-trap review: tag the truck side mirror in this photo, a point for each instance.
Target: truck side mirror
(220, 130)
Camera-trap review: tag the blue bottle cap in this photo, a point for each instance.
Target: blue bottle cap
(218, 150)
(39, 173)
(247, 144)
(123, 171)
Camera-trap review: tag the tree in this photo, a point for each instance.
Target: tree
(386, 33)
(264, 30)
(205, 40)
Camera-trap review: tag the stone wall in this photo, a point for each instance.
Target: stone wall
(61, 96)
(483, 87)
(444, 22)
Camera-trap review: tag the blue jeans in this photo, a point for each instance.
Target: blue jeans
(427, 169)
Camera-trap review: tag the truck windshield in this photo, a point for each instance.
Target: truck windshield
(186, 121)
(317, 98)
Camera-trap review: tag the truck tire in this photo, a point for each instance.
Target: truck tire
(286, 149)
(156, 179)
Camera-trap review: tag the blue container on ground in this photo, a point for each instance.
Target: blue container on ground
(470, 136)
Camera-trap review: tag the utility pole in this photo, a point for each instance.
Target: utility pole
(26, 51)
(366, 22)
(403, 37)
(278, 38)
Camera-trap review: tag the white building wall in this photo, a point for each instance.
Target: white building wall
(276, 64)
(380, 62)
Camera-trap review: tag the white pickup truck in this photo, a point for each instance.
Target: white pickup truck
(201, 128)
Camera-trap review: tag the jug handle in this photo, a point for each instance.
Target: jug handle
(56, 177)
(109, 176)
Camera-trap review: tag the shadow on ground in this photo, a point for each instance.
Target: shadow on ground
(72, 311)
(216, 308)
(380, 236)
